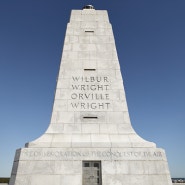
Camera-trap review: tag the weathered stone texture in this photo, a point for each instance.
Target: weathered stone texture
(90, 119)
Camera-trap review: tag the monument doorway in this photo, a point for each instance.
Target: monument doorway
(91, 173)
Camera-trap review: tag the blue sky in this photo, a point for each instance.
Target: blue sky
(150, 40)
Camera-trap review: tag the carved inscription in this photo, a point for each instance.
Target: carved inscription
(93, 154)
(90, 93)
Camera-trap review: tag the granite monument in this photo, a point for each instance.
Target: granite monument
(90, 139)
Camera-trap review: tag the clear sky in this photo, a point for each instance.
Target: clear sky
(150, 40)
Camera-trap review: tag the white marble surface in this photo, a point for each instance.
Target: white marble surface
(90, 119)
(89, 44)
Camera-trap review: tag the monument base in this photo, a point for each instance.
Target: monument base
(71, 166)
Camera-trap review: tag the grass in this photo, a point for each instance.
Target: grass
(4, 180)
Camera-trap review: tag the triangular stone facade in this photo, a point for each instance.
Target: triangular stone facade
(90, 120)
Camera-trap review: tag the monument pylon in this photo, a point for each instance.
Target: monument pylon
(90, 139)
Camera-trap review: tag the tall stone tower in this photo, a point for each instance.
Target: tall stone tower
(90, 140)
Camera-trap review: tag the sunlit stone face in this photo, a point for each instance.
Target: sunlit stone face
(90, 140)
